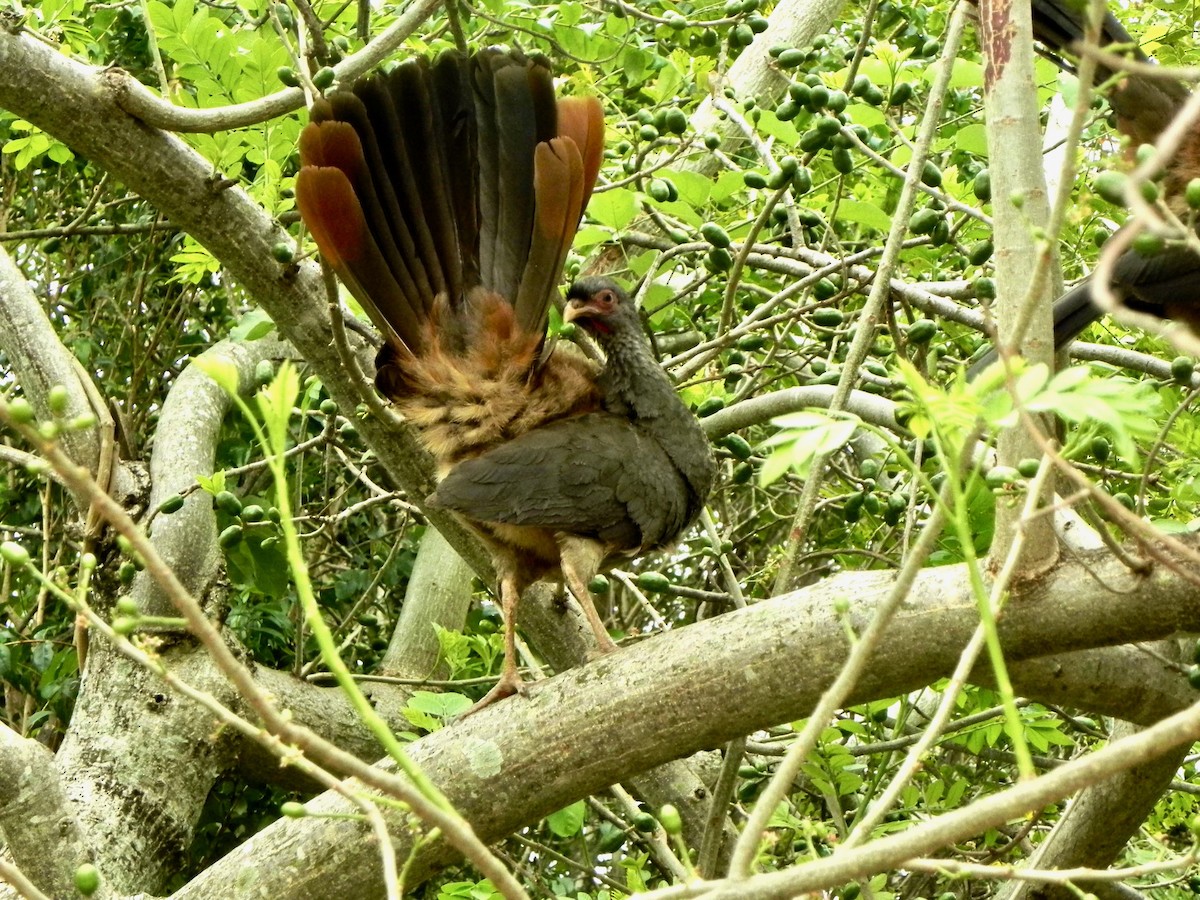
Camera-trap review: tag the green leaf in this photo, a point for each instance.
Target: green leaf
(220, 370)
(615, 208)
(275, 402)
(973, 139)
(253, 325)
(694, 188)
(568, 821)
(868, 214)
(802, 438)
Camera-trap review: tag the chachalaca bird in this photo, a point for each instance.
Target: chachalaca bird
(446, 195)
(1166, 284)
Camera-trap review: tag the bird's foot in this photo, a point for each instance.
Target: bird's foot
(510, 683)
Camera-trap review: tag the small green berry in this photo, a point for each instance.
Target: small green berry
(14, 554)
(57, 399)
(87, 879)
(670, 819)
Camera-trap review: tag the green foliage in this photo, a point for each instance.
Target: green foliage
(816, 188)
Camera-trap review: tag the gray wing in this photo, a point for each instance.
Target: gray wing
(595, 476)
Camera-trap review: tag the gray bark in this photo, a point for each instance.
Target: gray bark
(695, 688)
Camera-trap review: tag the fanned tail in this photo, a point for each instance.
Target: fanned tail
(443, 178)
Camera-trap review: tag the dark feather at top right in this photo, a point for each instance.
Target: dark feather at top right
(1165, 284)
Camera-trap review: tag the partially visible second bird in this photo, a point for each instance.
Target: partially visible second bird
(1164, 284)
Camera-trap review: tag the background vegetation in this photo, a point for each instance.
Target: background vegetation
(758, 158)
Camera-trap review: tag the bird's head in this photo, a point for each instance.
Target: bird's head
(599, 305)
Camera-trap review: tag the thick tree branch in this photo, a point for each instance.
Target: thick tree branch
(36, 817)
(41, 362)
(699, 687)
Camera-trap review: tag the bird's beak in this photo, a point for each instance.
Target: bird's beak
(574, 309)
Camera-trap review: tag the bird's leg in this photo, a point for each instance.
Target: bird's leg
(510, 679)
(580, 559)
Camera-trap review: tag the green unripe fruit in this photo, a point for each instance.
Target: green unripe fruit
(812, 140)
(1147, 243)
(670, 819)
(787, 110)
(715, 234)
(980, 252)
(828, 317)
(655, 582)
(57, 400)
(741, 35)
(87, 879)
(20, 411)
(599, 585)
(644, 822)
(288, 76)
(924, 221)
(778, 179)
(922, 331)
(828, 126)
(230, 537)
(737, 445)
(658, 190)
(825, 290)
(1001, 476)
(1192, 193)
(1028, 467)
(253, 513)
(1111, 186)
(901, 94)
(264, 371)
(790, 58)
(982, 186)
(228, 503)
(719, 260)
(172, 504)
(14, 554)
(323, 78)
(1181, 369)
